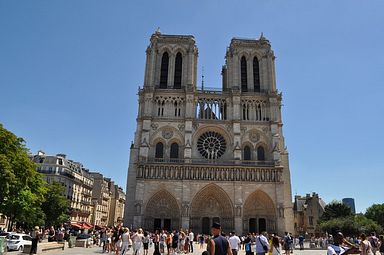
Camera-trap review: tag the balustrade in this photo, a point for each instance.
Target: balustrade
(214, 173)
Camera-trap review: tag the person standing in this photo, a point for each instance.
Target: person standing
(374, 242)
(235, 242)
(125, 241)
(219, 245)
(365, 246)
(276, 248)
(337, 249)
(381, 244)
(35, 238)
(301, 242)
(191, 238)
(262, 244)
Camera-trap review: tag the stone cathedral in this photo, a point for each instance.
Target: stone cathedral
(208, 154)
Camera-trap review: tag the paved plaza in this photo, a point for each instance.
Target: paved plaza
(98, 250)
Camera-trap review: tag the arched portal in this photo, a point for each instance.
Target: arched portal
(162, 212)
(259, 213)
(211, 204)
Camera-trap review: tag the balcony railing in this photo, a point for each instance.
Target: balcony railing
(209, 172)
(199, 161)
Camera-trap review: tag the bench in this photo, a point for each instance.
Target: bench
(44, 247)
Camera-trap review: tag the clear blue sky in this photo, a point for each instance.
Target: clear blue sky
(69, 73)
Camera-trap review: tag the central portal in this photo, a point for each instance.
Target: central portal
(209, 201)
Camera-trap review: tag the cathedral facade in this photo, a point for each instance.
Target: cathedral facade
(202, 154)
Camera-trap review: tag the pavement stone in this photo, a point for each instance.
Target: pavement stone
(197, 251)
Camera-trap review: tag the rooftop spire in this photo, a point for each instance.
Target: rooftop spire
(202, 78)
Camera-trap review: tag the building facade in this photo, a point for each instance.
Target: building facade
(307, 211)
(202, 155)
(116, 211)
(75, 178)
(351, 203)
(93, 198)
(101, 195)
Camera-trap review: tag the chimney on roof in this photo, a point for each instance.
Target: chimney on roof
(40, 153)
(61, 155)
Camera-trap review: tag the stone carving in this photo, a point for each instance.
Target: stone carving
(195, 125)
(254, 136)
(243, 130)
(154, 126)
(167, 134)
(181, 127)
(138, 207)
(238, 210)
(185, 211)
(228, 127)
(144, 143)
(265, 129)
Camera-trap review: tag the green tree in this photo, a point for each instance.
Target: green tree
(376, 212)
(351, 225)
(22, 188)
(334, 210)
(56, 205)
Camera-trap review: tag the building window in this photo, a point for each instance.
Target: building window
(310, 219)
(159, 150)
(260, 153)
(247, 153)
(174, 150)
(164, 71)
(243, 66)
(178, 71)
(256, 75)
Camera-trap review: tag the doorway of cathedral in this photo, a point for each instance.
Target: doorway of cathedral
(167, 224)
(252, 225)
(205, 225)
(157, 224)
(262, 225)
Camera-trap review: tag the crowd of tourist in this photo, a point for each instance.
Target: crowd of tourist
(123, 241)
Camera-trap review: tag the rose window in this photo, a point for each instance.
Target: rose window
(211, 145)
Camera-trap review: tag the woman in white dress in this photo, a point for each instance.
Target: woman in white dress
(276, 247)
(138, 241)
(365, 246)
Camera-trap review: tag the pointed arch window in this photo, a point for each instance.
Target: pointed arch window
(256, 75)
(178, 70)
(247, 153)
(159, 151)
(260, 153)
(174, 151)
(164, 71)
(243, 74)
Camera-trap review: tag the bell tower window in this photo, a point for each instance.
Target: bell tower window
(260, 153)
(159, 152)
(243, 66)
(164, 71)
(174, 151)
(178, 71)
(247, 153)
(256, 75)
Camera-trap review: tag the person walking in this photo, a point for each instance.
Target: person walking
(276, 247)
(191, 238)
(365, 246)
(337, 249)
(235, 242)
(125, 241)
(35, 238)
(219, 245)
(262, 244)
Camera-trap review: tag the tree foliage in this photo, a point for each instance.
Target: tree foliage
(334, 210)
(351, 225)
(56, 205)
(376, 213)
(22, 188)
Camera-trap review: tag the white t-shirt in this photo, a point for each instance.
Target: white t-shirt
(334, 249)
(234, 242)
(191, 236)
